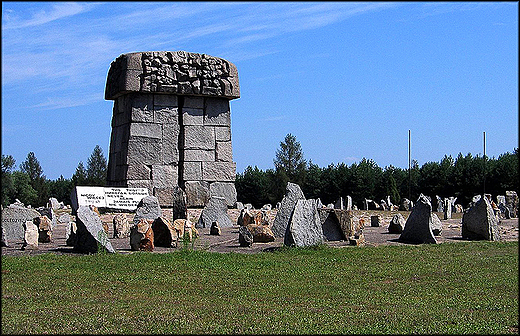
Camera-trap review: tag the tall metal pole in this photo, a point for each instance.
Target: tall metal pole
(484, 184)
(409, 166)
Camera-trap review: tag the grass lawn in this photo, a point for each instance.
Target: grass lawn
(449, 288)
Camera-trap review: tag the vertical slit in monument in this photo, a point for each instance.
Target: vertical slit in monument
(180, 142)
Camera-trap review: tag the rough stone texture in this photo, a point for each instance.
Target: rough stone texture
(215, 229)
(180, 208)
(13, 219)
(179, 225)
(245, 217)
(141, 235)
(406, 205)
(436, 225)
(70, 234)
(305, 226)
(215, 210)
(44, 229)
(90, 233)
(262, 218)
(225, 190)
(197, 193)
(148, 208)
(54, 204)
(121, 226)
(512, 203)
(171, 121)
(397, 224)
(330, 224)
(164, 233)
(418, 227)
(245, 237)
(30, 236)
(293, 193)
(479, 222)
(261, 233)
(49, 212)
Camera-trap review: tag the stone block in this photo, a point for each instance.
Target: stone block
(141, 184)
(197, 193)
(31, 236)
(138, 171)
(170, 140)
(164, 196)
(199, 137)
(224, 190)
(480, 223)
(90, 234)
(192, 171)
(164, 233)
(397, 224)
(222, 133)
(217, 112)
(146, 151)
(224, 151)
(219, 171)
(192, 116)
(166, 115)
(13, 220)
(141, 108)
(145, 130)
(164, 176)
(194, 102)
(418, 227)
(166, 100)
(121, 226)
(199, 155)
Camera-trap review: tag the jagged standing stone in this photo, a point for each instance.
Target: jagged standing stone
(305, 226)
(245, 237)
(164, 233)
(31, 236)
(245, 217)
(148, 208)
(121, 226)
(90, 233)
(141, 235)
(436, 225)
(70, 234)
(375, 221)
(180, 208)
(215, 229)
(293, 193)
(44, 229)
(418, 227)
(330, 224)
(479, 222)
(215, 210)
(397, 224)
(261, 233)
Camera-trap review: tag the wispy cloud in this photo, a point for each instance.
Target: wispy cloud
(10, 19)
(53, 103)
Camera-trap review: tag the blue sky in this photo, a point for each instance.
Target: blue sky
(347, 79)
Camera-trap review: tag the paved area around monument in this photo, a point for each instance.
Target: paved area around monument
(228, 240)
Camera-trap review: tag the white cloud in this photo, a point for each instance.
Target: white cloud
(56, 12)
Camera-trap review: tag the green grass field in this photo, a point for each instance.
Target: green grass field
(450, 288)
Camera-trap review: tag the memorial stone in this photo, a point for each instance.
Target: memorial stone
(418, 227)
(148, 208)
(164, 233)
(215, 229)
(479, 222)
(305, 226)
(245, 237)
(171, 124)
(13, 219)
(215, 210)
(30, 236)
(293, 193)
(121, 226)
(396, 224)
(90, 235)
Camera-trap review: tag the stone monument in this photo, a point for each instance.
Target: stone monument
(171, 125)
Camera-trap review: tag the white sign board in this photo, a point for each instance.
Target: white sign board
(108, 197)
(124, 198)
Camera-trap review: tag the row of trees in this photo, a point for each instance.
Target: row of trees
(463, 177)
(30, 186)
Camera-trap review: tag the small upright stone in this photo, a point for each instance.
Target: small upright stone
(215, 210)
(141, 235)
(245, 237)
(397, 224)
(436, 225)
(31, 236)
(375, 221)
(121, 226)
(164, 233)
(215, 229)
(147, 208)
(44, 229)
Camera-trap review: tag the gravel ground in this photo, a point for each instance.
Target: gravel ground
(228, 240)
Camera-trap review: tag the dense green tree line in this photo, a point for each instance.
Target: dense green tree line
(462, 177)
(30, 186)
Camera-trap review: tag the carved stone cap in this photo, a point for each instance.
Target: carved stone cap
(172, 72)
